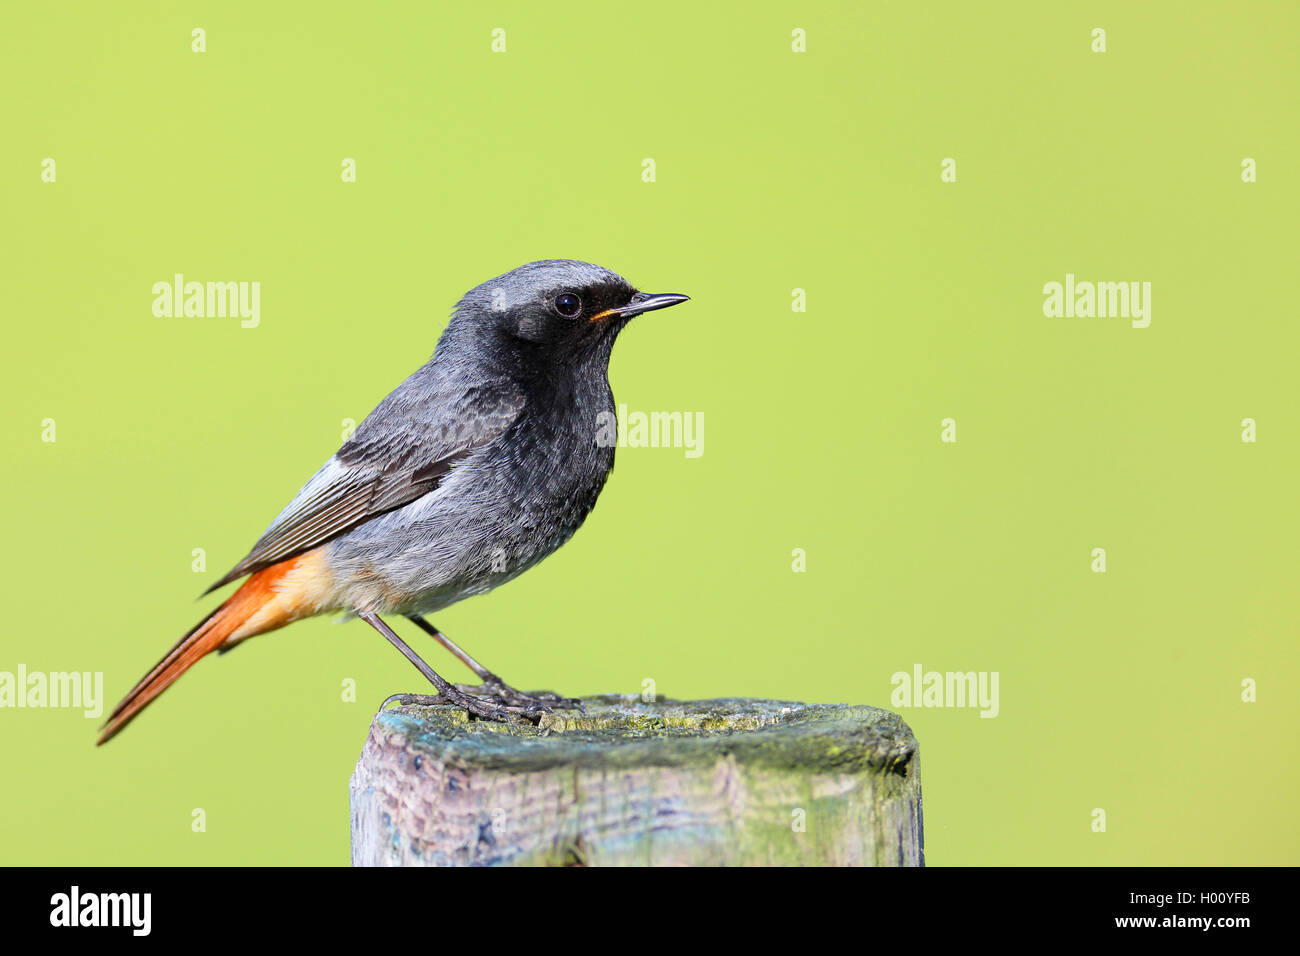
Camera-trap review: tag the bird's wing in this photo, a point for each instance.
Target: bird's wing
(399, 453)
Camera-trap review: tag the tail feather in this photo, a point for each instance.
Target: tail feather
(262, 603)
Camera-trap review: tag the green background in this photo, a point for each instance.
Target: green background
(775, 170)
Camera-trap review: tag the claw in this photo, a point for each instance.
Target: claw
(502, 703)
(423, 700)
(543, 700)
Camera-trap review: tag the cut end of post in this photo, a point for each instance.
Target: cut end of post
(710, 782)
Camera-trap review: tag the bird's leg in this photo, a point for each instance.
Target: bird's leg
(494, 684)
(447, 693)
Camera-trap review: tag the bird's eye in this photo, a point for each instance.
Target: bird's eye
(568, 304)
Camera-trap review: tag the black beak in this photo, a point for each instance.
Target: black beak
(649, 301)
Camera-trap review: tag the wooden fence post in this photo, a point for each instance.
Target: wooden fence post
(706, 782)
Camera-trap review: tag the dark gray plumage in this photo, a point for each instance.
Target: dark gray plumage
(502, 421)
(479, 465)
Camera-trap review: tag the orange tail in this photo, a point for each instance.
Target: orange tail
(270, 598)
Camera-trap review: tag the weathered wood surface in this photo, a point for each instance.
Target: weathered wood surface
(709, 782)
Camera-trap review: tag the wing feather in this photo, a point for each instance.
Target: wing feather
(401, 452)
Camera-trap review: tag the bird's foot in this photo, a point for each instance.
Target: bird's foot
(546, 701)
(420, 700)
(508, 707)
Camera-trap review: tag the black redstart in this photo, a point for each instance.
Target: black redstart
(471, 471)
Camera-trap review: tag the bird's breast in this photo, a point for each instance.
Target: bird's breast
(499, 512)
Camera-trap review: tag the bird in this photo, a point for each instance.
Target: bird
(485, 460)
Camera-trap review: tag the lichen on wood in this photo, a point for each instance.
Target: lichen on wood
(722, 782)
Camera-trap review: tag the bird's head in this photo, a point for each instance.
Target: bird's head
(557, 309)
